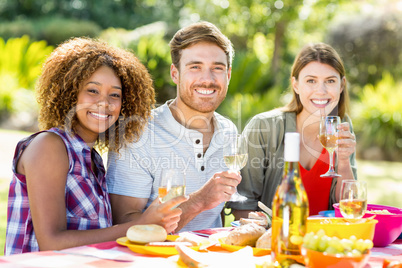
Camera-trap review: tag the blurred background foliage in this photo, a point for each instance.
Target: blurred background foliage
(266, 34)
(20, 65)
(378, 118)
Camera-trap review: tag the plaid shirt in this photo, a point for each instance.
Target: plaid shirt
(86, 197)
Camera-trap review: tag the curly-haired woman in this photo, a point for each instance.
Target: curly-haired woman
(90, 94)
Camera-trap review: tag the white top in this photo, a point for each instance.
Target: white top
(167, 144)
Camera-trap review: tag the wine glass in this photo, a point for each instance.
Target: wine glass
(235, 157)
(353, 201)
(328, 137)
(172, 184)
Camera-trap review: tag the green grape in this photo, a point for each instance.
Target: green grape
(353, 238)
(323, 243)
(296, 239)
(320, 233)
(333, 245)
(355, 252)
(369, 244)
(336, 243)
(307, 237)
(360, 245)
(349, 254)
(313, 242)
(347, 244)
(331, 250)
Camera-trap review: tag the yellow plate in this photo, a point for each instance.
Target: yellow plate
(151, 250)
(256, 251)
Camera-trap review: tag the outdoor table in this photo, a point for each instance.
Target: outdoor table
(95, 256)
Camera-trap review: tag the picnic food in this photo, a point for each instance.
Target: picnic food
(190, 257)
(392, 264)
(380, 211)
(316, 259)
(146, 233)
(194, 239)
(169, 244)
(333, 245)
(257, 217)
(245, 235)
(343, 228)
(265, 240)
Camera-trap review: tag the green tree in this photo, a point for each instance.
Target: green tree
(283, 24)
(127, 14)
(378, 118)
(376, 47)
(23, 58)
(149, 44)
(20, 65)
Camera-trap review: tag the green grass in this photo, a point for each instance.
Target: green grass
(383, 181)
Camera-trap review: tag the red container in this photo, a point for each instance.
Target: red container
(388, 228)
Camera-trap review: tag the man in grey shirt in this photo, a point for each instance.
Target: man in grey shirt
(185, 133)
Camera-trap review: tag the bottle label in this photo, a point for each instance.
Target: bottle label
(292, 147)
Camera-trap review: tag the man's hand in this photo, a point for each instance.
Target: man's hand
(217, 189)
(165, 214)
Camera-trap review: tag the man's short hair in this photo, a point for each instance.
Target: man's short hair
(196, 33)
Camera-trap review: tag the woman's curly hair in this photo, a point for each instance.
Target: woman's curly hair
(73, 62)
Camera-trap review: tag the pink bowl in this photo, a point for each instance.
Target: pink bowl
(388, 228)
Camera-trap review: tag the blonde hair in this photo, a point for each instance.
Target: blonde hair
(325, 54)
(75, 61)
(197, 33)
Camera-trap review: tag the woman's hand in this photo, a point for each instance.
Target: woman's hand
(346, 142)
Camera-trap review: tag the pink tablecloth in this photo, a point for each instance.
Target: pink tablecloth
(126, 258)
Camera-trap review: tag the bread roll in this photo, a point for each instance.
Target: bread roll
(245, 235)
(265, 240)
(147, 233)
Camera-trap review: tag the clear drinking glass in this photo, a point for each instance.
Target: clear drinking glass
(328, 137)
(235, 157)
(172, 184)
(353, 200)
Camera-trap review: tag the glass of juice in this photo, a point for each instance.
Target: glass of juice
(172, 184)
